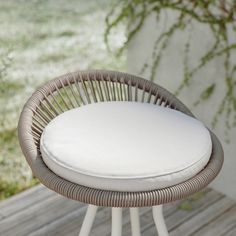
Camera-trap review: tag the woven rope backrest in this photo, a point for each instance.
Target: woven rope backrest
(81, 88)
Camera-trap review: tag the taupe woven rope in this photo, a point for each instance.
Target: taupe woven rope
(81, 88)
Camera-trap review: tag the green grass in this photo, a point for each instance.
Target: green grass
(15, 175)
(43, 39)
(8, 189)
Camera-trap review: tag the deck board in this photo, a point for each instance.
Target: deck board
(23, 200)
(203, 217)
(40, 211)
(231, 232)
(221, 225)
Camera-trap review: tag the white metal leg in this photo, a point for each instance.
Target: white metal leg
(116, 226)
(116, 222)
(159, 220)
(88, 220)
(134, 220)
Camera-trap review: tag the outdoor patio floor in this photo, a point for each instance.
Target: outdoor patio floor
(42, 212)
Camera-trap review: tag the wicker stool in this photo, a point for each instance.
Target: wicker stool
(82, 108)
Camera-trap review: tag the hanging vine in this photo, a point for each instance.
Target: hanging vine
(219, 15)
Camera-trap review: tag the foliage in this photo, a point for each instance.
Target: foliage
(34, 49)
(219, 16)
(9, 188)
(8, 88)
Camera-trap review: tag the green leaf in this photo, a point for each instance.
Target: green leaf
(208, 92)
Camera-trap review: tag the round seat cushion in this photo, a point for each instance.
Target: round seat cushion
(125, 146)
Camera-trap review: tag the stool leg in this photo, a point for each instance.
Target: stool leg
(116, 222)
(134, 219)
(88, 220)
(159, 220)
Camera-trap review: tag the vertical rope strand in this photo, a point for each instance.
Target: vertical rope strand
(62, 98)
(84, 89)
(66, 93)
(78, 89)
(73, 92)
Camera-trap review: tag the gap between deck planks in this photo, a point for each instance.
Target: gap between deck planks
(39, 212)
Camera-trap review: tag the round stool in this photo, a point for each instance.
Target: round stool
(116, 140)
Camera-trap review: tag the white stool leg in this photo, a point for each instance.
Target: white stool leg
(88, 220)
(159, 220)
(134, 219)
(116, 222)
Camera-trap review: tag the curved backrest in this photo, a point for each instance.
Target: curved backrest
(80, 88)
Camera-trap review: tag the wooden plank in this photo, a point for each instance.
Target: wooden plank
(23, 200)
(180, 216)
(105, 228)
(170, 209)
(231, 232)
(52, 214)
(37, 215)
(23, 194)
(221, 225)
(69, 224)
(101, 230)
(203, 217)
(146, 219)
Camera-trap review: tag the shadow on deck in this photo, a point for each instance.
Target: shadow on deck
(41, 212)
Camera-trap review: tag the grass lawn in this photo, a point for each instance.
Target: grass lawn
(40, 40)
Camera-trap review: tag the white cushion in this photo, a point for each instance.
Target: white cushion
(125, 146)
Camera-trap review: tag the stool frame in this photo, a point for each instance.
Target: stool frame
(84, 87)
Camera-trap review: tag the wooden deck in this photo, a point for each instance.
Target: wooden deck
(41, 212)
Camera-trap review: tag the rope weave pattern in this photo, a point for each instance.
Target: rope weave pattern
(80, 88)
